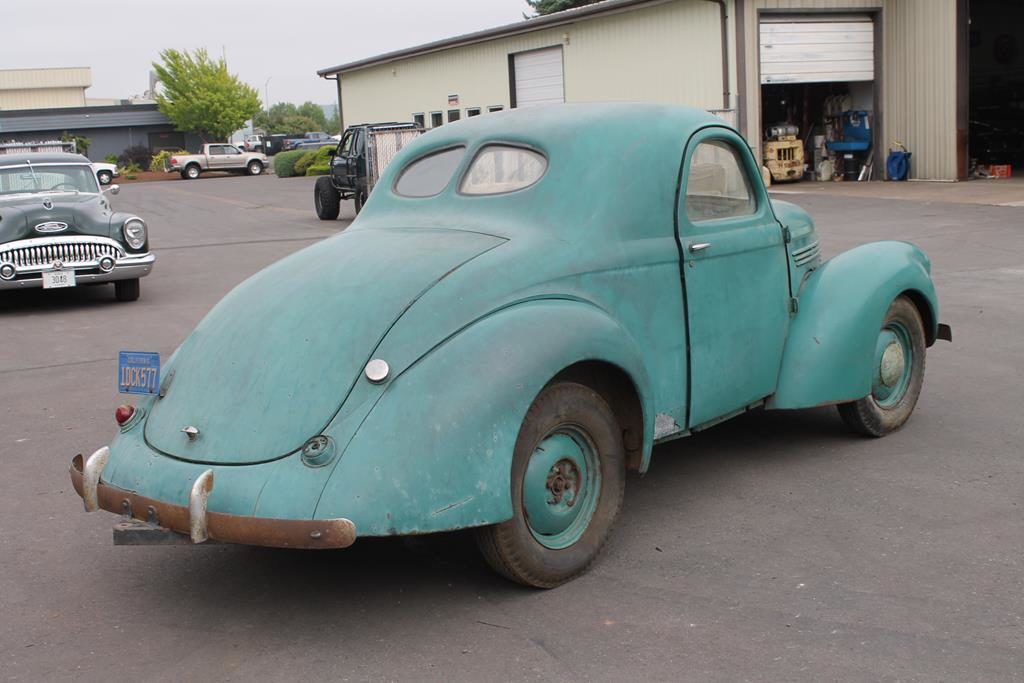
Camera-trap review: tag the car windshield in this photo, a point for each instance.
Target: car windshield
(47, 178)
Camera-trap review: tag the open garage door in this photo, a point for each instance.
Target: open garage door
(817, 50)
(538, 78)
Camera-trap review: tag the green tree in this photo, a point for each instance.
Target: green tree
(542, 7)
(81, 142)
(199, 95)
(286, 118)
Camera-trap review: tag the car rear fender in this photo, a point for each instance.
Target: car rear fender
(829, 351)
(435, 452)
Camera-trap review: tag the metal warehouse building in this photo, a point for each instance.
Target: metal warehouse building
(916, 71)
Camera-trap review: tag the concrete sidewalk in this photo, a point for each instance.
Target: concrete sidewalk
(993, 192)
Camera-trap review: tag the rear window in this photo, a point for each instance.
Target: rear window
(498, 169)
(429, 175)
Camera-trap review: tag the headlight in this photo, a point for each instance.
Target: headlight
(135, 232)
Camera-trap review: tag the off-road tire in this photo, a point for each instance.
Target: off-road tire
(510, 547)
(326, 199)
(359, 199)
(127, 290)
(254, 168)
(866, 416)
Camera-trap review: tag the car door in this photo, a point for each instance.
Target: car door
(216, 157)
(735, 274)
(232, 157)
(341, 165)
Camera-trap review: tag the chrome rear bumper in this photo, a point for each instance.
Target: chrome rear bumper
(195, 521)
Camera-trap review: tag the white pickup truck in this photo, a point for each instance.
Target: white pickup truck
(216, 157)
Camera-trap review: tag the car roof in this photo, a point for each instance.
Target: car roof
(18, 159)
(613, 169)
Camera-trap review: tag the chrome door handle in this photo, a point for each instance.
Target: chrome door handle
(698, 246)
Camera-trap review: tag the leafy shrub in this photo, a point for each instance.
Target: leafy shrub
(110, 158)
(130, 169)
(156, 163)
(304, 162)
(136, 154)
(321, 163)
(284, 163)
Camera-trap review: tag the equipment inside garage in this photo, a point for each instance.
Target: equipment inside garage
(817, 96)
(996, 145)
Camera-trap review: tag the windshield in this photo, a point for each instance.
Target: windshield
(42, 179)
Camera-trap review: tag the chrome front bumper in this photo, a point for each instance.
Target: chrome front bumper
(127, 267)
(195, 522)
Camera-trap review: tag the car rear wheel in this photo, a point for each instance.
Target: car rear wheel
(255, 167)
(326, 199)
(192, 171)
(126, 290)
(568, 477)
(898, 373)
(105, 177)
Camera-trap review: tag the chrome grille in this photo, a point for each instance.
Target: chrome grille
(805, 255)
(70, 252)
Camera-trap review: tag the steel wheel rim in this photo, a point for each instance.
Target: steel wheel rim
(894, 361)
(561, 487)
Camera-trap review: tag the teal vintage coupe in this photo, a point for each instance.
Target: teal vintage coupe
(527, 304)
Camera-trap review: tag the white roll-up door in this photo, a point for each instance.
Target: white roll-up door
(538, 77)
(817, 50)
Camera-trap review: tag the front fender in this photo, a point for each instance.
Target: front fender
(435, 452)
(829, 352)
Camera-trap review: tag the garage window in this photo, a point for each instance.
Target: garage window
(429, 175)
(498, 169)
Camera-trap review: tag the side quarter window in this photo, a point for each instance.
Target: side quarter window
(717, 185)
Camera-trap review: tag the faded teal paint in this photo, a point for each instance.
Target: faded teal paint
(561, 489)
(435, 452)
(476, 303)
(894, 359)
(829, 355)
(736, 338)
(258, 385)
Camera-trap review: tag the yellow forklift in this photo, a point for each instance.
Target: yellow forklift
(784, 153)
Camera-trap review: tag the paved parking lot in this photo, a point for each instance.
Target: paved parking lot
(773, 547)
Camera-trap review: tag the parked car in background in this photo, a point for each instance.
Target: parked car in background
(57, 228)
(498, 338)
(362, 155)
(105, 173)
(309, 141)
(253, 143)
(217, 157)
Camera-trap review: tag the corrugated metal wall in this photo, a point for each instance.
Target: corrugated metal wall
(920, 84)
(43, 88)
(918, 73)
(667, 53)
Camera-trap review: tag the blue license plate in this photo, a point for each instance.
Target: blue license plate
(138, 372)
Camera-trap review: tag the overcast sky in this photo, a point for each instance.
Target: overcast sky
(285, 42)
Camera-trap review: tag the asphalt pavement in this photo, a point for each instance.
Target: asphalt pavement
(774, 547)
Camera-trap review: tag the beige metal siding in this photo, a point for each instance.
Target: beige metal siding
(42, 98)
(918, 77)
(669, 53)
(43, 88)
(920, 84)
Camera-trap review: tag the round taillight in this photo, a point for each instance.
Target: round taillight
(123, 413)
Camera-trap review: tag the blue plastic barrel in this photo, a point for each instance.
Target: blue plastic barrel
(897, 165)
